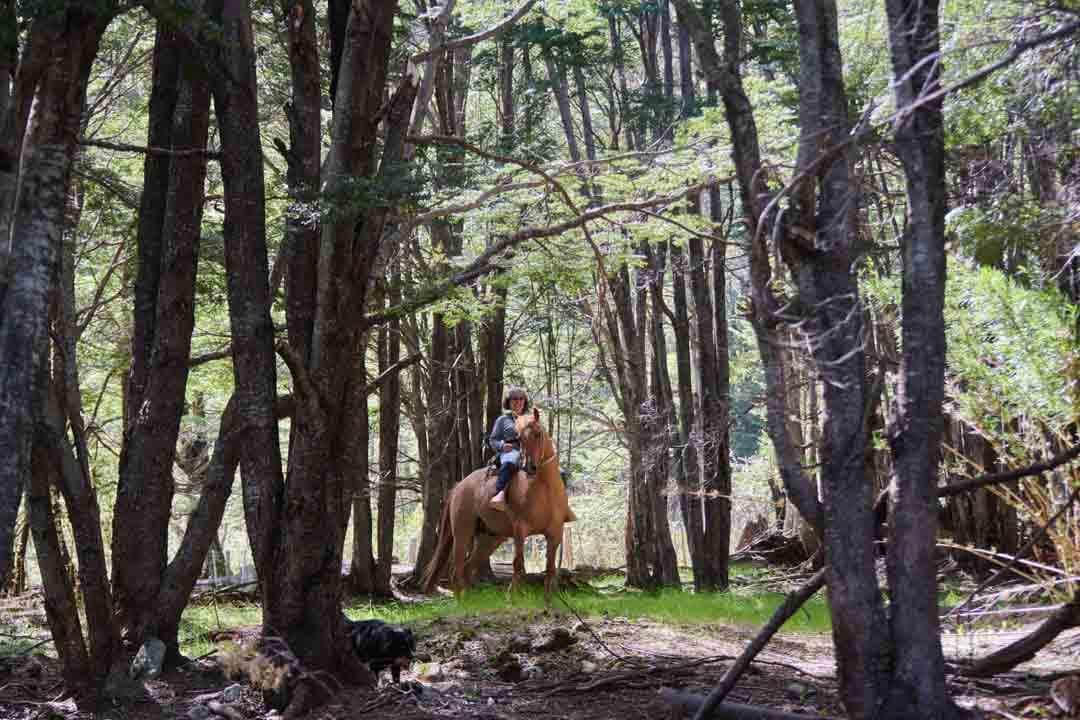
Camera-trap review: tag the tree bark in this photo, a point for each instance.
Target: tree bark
(389, 349)
(73, 35)
(688, 472)
(665, 431)
(918, 677)
(61, 609)
(717, 496)
(168, 243)
(358, 481)
(710, 403)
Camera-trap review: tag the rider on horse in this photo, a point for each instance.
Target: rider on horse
(505, 441)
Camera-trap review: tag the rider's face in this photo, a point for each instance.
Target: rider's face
(517, 404)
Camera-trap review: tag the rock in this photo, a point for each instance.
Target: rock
(559, 639)
(199, 712)
(148, 661)
(580, 627)
(533, 672)
(588, 666)
(232, 693)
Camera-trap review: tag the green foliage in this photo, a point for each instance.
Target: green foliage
(1008, 348)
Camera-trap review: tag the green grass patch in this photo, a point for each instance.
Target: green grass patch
(611, 600)
(672, 606)
(199, 622)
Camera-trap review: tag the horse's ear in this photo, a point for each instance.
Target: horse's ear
(536, 413)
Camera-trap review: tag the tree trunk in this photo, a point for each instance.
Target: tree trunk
(358, 481)
(62, 608)
(506, 95)
(687, 469)
(168, 243)
(17, 584)
(73, 36)
(304, 603)
(389, 349)
(918, 676)
(618, 57)
(665, 431)
(710, 414)
(717, 497)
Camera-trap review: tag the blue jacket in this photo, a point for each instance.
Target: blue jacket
(505, 432)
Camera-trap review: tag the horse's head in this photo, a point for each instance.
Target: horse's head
(534, 438)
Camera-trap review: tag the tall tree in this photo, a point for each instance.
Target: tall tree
(168, 248)
(917, 684)
(54, 72)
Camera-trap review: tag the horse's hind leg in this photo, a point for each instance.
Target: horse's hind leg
(462, 543)
(519, 560)
(482, 550)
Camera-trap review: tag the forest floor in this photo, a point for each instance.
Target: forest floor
(517, 663)
(520, 663)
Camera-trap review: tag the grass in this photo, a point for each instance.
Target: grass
(669, 606)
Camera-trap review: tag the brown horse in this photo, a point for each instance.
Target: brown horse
(538, 506)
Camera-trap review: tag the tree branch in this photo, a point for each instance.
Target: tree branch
(169, 152)
(482, 264)
(494, 31)
(1009, 475)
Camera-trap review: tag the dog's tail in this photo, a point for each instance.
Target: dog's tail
(442, 550)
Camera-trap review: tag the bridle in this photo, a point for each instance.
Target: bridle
(542, 463)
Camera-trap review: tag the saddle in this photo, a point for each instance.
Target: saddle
(493, 468)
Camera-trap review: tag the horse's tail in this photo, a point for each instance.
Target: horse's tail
(442, 550)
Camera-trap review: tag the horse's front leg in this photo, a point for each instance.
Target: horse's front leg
(551, 573)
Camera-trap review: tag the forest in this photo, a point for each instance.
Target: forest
(792, 291)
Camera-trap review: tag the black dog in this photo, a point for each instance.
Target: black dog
(383, 646)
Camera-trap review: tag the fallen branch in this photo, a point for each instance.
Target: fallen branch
(790, 606)
(691, 703)
(1008, 657)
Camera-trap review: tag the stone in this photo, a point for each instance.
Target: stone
(232, 693)
(588, 666)
(148, 661)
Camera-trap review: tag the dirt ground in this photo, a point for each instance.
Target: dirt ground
(530, 664)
